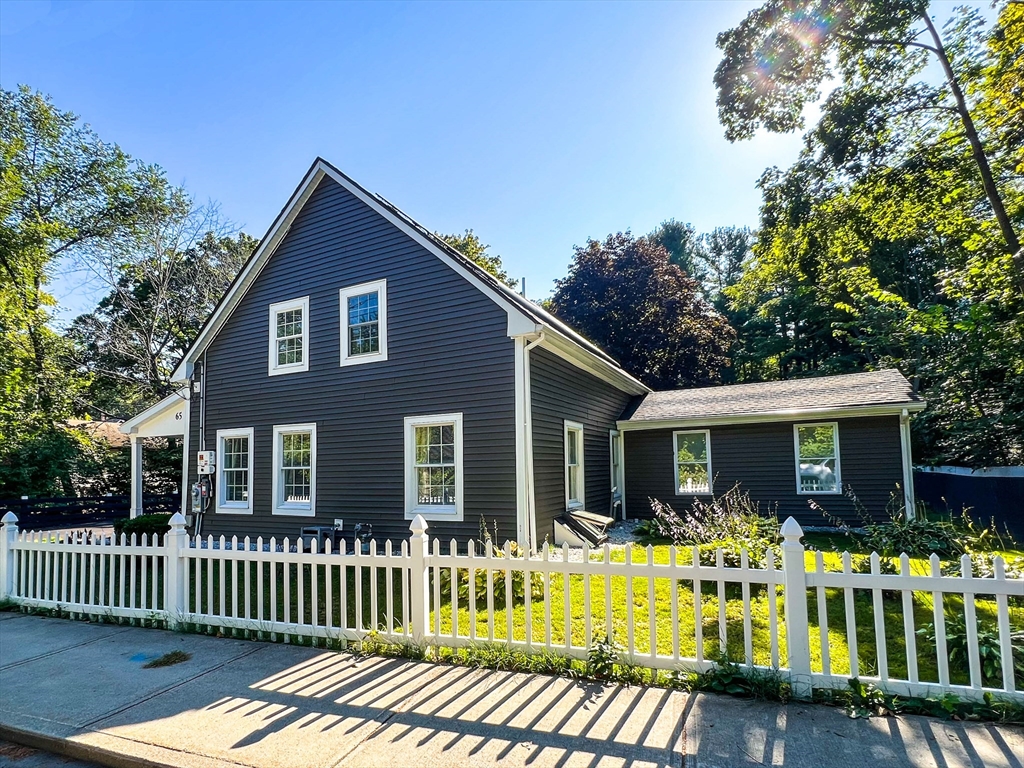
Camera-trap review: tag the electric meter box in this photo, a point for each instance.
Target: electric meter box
(206, 462)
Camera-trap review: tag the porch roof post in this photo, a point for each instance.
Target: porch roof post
(136, 492)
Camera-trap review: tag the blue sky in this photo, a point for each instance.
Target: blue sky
(537, 125)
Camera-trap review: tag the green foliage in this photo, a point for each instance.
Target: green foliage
(865, 700)
(602, 657)
(730, 678)
(626, 295)
(731, 522)
(946, 535)
(472, 247)
(152, 525)
(989, 653)
(888, 243)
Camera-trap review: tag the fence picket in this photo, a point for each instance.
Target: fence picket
(471, 580)
(566, 596)
(826, 655)
(698, 606)
(910, 638)
(881, 650)
(971, 620)
(748, 634)
(851, 617)
(773, 609)
(723, 641)
(1003, 620)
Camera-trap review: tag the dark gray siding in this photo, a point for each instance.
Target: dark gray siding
(448, 351)
(560, 391)
(760, 457)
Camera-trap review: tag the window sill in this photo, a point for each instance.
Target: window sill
(230, 510)
(836, 492)
(575, 505)
(377, 357)
(694, 493)
(294, 511)
(288, 369)
(438, 513)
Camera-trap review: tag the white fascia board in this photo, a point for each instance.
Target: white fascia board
(568, 350)
(132, 425)
(801, 414)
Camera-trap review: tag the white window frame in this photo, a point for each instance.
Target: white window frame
(273, 369)
(381, 288)
(575, 426)
(675, 461)
(294, 508)
(233, 507)
(432, 511)
(796, 458)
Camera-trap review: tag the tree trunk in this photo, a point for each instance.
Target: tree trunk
(988, 180)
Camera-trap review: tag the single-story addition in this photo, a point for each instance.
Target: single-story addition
(360, 372)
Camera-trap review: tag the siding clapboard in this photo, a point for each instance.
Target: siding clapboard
(760, 457)
(448, 351)
(560, 391)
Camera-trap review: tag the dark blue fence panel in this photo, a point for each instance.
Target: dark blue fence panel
(41, 514)
(997, 494)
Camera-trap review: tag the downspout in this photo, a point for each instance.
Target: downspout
(908, 466)
(528, 430)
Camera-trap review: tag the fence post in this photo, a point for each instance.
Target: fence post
(175, 571)
(419, 596)
(8, 532)
(798, 647)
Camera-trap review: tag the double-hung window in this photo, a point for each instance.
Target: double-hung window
(817, 458)
(693, 461)
(433, 459)
(294, 485)
(575, 495)
(364, 323)
(289, 336)
(234, 465)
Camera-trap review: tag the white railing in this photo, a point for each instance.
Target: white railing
(671, 612)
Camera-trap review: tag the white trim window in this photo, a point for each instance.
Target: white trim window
(294, 484)
(817, 458)
(693, 461)
(575, 479)
(364, 323)
(289, 337)
(433, 467)
(234, 471)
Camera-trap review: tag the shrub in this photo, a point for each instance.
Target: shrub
(152, 525)
(731, 522)
(989, 653)
(947, 535)
(730, 678)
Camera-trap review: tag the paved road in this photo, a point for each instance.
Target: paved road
(83, 686)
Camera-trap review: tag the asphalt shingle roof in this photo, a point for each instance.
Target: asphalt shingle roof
(852, 390)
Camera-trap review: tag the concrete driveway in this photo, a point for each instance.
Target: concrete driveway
(82, 689)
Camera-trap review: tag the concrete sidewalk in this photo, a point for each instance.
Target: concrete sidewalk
(81, 689)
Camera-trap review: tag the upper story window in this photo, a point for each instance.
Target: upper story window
(364, 323)
(433, 459)
(693, 461)
(575, 495)
(294, 485)
(234, 465)
(817, 458)
(289, 336)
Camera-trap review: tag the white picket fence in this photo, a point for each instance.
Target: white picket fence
(663, 615)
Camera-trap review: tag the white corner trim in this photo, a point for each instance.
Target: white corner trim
(234, 507)
(675, 461)
(796, 458)
(575, 426)
(452, 513)
(292, 508)
(273, 369)
(909, 502)
(380, 287)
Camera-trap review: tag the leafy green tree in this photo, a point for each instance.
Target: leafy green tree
(471, 246)
(777, 59)
(62, 192)
(627, 296)
(685, 247)
(882, 245)
(162, 285)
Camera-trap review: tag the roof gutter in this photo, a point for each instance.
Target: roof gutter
(793, 414)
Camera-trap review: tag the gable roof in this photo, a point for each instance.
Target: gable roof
(524, 317)
(874, 391)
